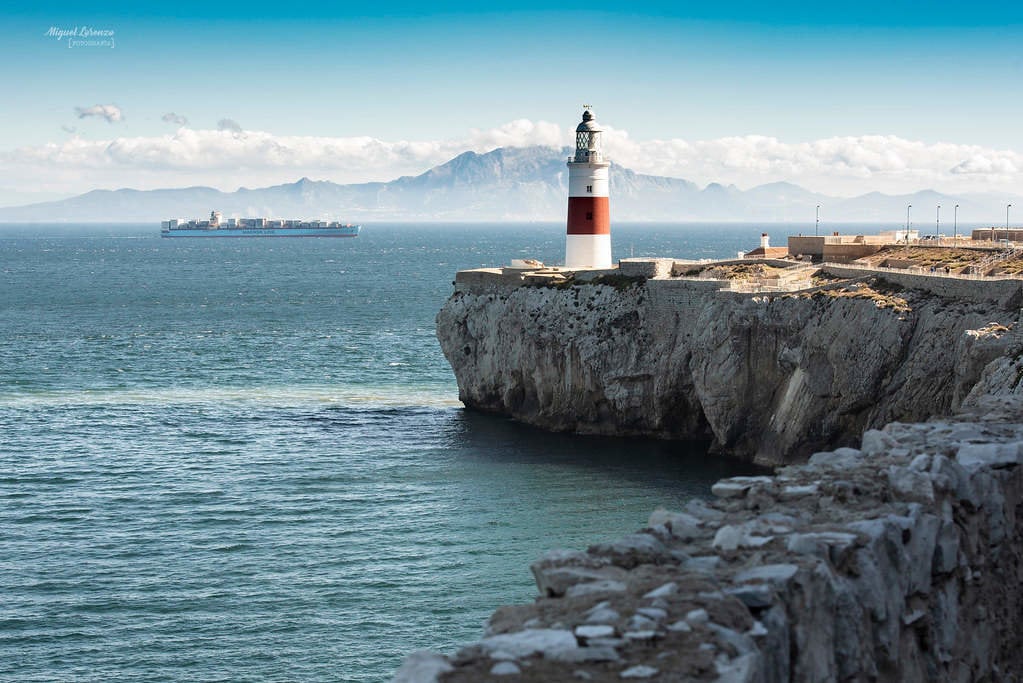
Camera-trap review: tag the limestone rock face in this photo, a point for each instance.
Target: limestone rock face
(767, 377)
(903, 564)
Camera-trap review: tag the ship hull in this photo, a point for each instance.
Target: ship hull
(352, 231)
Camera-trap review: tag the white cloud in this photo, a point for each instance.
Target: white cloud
(111, 112)
(228, 158)
(517, 133)
(838, 165)
(983, 164)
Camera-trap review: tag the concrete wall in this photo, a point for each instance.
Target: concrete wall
(1012, 234)
(843, 253)
(809, 246)
(837, 248)
(819, 248)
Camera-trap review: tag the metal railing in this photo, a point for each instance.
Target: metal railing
(918, 270)
(996, 258)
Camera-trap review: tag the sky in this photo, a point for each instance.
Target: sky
(842, 98)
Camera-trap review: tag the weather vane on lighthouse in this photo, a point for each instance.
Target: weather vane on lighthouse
(588, 244)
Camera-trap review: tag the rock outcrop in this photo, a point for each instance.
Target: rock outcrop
(898, 560)
(895, 557)
(769, 377)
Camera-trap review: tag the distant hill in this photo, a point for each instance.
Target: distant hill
(514, 184)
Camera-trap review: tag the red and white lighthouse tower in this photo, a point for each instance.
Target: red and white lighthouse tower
(589, 222)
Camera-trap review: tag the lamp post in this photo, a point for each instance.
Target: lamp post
(817, 225)
(1007, 207)
(955, 225)
(908, 207)
(937, 222)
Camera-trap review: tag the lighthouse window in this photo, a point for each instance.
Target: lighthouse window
(589, 215)
(589, 188)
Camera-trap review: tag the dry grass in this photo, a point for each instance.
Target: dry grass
(956, 260)
(741, 271)
(995, 330)
(1010, 266)
(881, 293)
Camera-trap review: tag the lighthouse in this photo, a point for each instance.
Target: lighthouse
(588, 244)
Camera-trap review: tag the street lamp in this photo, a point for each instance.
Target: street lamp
(937, 222)
(1007, 207)
(817, 225)
(908, 207)
(955, 225)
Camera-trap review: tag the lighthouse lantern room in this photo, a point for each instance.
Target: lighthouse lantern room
(588, 242)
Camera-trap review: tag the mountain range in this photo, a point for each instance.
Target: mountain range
(506, 184)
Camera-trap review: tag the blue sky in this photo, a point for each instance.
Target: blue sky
(930, 73)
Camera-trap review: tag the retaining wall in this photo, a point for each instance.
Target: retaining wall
(997, 290)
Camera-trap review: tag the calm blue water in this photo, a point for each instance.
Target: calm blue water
(245, 459)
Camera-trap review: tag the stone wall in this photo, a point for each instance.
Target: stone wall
(488, 279)
(646, 267)
(899, 560)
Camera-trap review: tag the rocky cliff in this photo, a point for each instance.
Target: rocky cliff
(895, 561)
(770, 377)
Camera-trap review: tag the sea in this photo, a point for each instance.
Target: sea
(245, 459)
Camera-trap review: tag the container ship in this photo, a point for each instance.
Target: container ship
(255, 227)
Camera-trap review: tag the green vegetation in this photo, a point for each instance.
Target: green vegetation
(820, 278)
(619, 282)
(887, 287)
(549, 282)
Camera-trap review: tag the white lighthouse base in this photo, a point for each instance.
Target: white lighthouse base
(588, 251)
